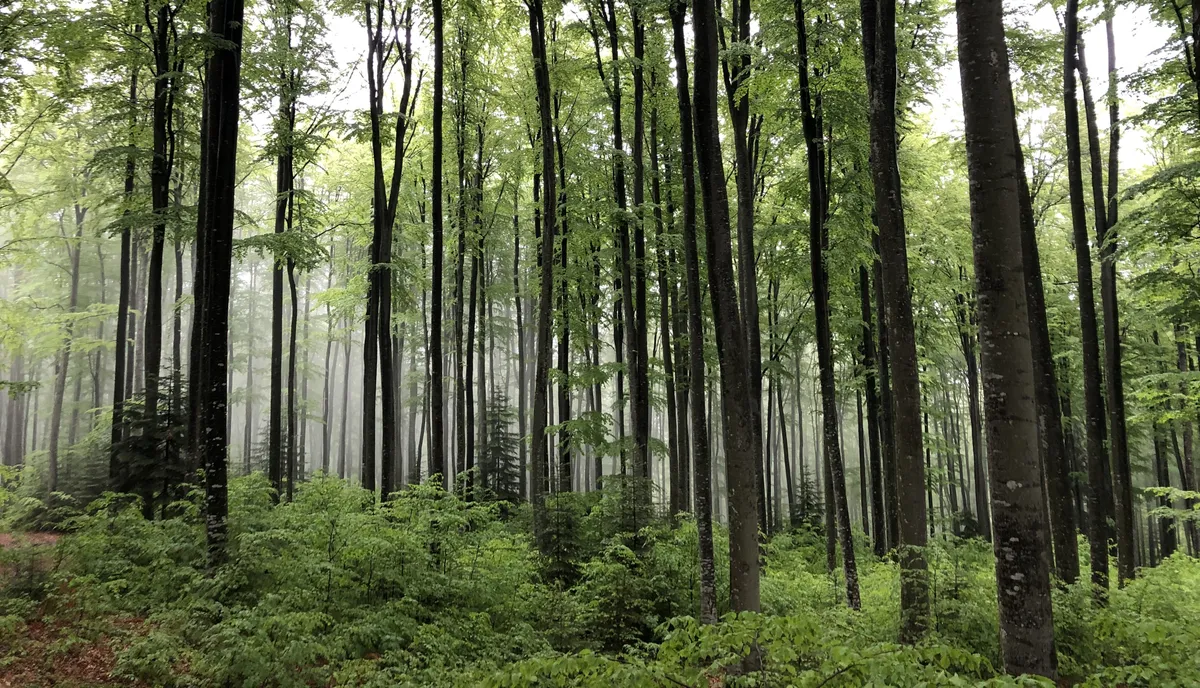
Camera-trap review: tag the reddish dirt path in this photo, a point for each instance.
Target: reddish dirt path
(8, 540)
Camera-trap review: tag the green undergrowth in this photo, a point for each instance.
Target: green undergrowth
(430, 590)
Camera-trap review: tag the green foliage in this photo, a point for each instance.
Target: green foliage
(429, 590)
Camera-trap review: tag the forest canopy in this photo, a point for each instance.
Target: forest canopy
(633, 342)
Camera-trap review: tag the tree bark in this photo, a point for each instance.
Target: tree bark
(879, 48)
(738, 406)
(818, 242)
(437, 453)
(695, 323)
(214, 231)
(1098, 483)
(1022, 553)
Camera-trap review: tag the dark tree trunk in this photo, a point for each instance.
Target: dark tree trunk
(160, 183)
(539, 485)
(836, 497)
(63, 364)
(879, 41)
(437, 451)
(695, 320)
(1050, 434)
(878, 527)
(116, 472)
(677, 497)
(738, 406)
(1106, 239)
(291, 381)
(1022, 553)
(248, 424)
(736, 86)
(565, 465)
(214, 232)
(891, 498)
(1098, 483)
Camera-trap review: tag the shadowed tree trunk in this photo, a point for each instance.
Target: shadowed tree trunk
(878, 532)
(695, 320)
(739, 409)
(1098, 483)
(1050, 433)
(437, 451)
(214, 232)
(539, 485)
(879, 49)
(116, 473)
(1022, 553)
(836, 497)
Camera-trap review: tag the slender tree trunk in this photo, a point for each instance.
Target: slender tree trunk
(214, 231)
(818, 240)
(1093, 401)
(738, 406)
(878, 527)
(116, 472)
(879, 41)
(1113, 378)
(63, 364)
(437, 455)
(1050, 433)
(539, 485)
(695, 321)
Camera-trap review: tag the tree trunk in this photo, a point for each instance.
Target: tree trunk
(214, 231)
(1050, 434)
(878, 527)
(695, 315)
(1022, 553)
(1093, 401)
(539, 485)
(437, 453)
(818, 241)
(116, 472)
(63, 364)
(738, 406)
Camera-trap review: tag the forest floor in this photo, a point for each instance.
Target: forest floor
(62, 650)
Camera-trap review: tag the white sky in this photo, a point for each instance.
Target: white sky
(1136, 37)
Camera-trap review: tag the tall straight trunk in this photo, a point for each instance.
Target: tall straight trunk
(879, 47)
(1098, 482)
(739, 409)
(160, 182)
(1022, 553)
(290, 456)
(641, 358)
(793, 520)
(137, 330)
(14, 442)
(1118, 444)
(214, 232)
(677, 496)
(863, 502)
(539, 485)
(63, 364)
(1185, 466)
(437, 454)
(695, 323)
(326, 403)
(344, 427)
(248, 424)
(891, 498)
(283, 189)
(628, 328)
(737, 95)
(520, 337)
(818, 242)
(116, 472)
(565, 465)
(966, 336)
(1050, 432)
(1168, 540)
(177, 319)
(878, 527)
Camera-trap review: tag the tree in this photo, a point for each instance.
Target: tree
(879, 50)
(738, 408)
(1022, 553)
(214, 253)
